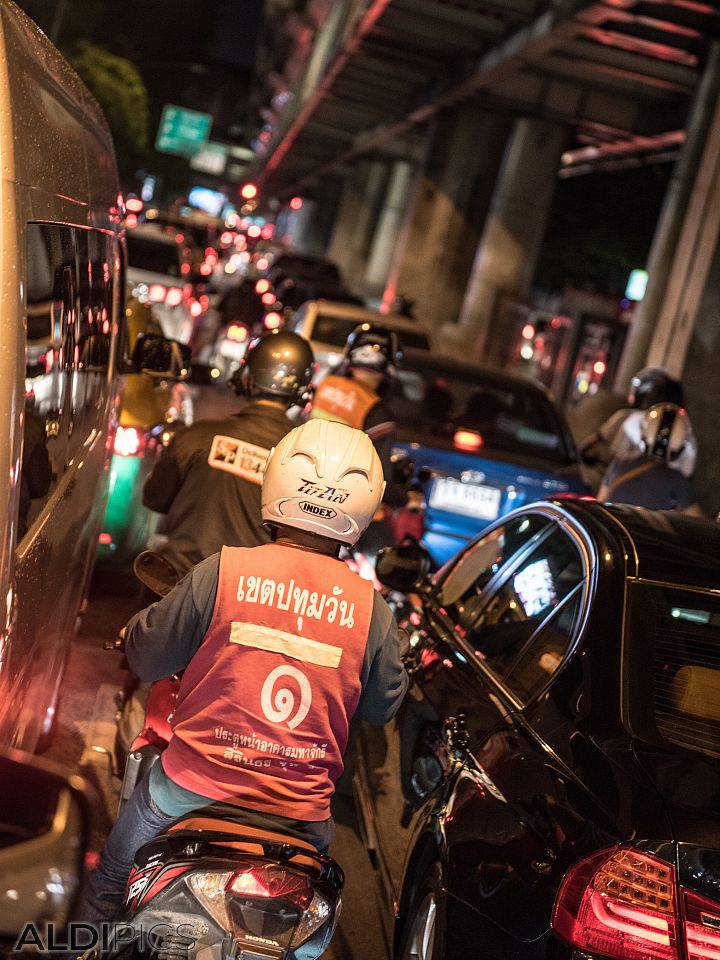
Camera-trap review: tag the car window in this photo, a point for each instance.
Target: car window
(545, 650)
(463, 585)
(155, 256)
(525, 599)
(333, 330)
(509, 417)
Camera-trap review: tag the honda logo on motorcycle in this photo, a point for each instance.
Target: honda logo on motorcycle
(325, 513)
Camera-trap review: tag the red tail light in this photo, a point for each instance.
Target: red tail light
(237, 332)
(620, 903)
(128, 442)
(702, 927)
(272, 882)
(262, 286)
(273, 320)
(467, 440)
(157, 292)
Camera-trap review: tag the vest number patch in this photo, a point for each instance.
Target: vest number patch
(280, 704)
(244, 460)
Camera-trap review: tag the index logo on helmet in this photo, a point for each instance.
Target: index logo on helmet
(325, 513)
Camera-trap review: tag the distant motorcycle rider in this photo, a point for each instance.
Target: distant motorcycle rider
(648, 479)
(619, 435)
(280, 645)
(208, 480)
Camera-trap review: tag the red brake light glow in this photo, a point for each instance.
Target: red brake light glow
(467, 440)
(271, 882)
(702, 927)
(619, 903)
(157, 292)
(268, 298)
(127, 442)
(273, 320)
(262, 286)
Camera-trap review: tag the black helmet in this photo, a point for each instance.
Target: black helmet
(278, 365)
(371, 347)
(653, 385)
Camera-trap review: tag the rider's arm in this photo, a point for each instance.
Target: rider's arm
(384, 680)
(163, 638)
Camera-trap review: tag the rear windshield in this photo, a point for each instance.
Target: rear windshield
(686, 666)
(335, 330)
(153, 255)
(510, 419)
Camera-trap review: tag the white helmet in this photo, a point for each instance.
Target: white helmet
(323, 477)
(665, 431)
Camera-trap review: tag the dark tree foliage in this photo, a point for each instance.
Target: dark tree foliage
(600, 228)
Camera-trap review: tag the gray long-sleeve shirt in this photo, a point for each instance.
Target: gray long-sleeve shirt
(163, 638)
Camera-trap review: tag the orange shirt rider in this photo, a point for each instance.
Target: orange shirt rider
(352, 401)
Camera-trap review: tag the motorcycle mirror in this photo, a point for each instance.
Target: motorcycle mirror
(157, 573)
(404, 568)
(44, 827)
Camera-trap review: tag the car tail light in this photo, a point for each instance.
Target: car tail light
(195, 308)
(128, 442)
(273, 320)
(174, 297)
(268, 298)
(105, 539)
(157, 292)
(620, 903)
(702, 927)
(262, 286)
(467, 440)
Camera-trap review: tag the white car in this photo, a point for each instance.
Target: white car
(157, 274)
(327, 325)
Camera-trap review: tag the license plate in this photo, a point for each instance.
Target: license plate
(471, 499)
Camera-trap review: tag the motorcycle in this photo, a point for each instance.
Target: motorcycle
(209, 882)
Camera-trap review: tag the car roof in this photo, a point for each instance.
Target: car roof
(151, 232)
(348, 311)
(448, 365)
(670, 547)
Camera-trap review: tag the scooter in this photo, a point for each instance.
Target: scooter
(209, 885)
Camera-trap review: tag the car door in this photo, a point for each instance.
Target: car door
(499, 798)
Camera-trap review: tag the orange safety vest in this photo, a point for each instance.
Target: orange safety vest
(345, 400)
(265, 703)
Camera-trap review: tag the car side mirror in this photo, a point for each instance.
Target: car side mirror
(44, 831)
(160, 358)
(403, 568)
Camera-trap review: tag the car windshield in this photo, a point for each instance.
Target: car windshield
(440, 399)
(335, 330)
(155, 256)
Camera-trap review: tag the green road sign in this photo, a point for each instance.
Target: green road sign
(182, 131)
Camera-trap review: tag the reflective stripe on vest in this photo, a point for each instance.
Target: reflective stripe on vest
(265, 703)
(345, 400)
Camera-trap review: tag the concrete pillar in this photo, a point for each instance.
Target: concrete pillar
(432, 266)
(356, 220)
(506, 257)
(670, 223)
(388, 227)
(320, 226)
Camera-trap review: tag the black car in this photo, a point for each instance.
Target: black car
(559, 751)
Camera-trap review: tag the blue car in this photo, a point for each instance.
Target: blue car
(480, 442)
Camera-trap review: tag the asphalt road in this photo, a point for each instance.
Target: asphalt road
(83, 744)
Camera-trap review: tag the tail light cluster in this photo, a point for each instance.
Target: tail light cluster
(264, 903)
(170, 296)
(625, 904)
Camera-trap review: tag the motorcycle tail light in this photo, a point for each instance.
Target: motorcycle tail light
(317, 914)
(265, 880)
(128, 441)
(621, 903)
(467, 440)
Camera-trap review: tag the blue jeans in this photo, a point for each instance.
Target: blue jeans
(141, 820)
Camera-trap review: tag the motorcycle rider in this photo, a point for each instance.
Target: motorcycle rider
(208, 480)
(355, 396)
(619, 435)
(648, 479)
(280, 644)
